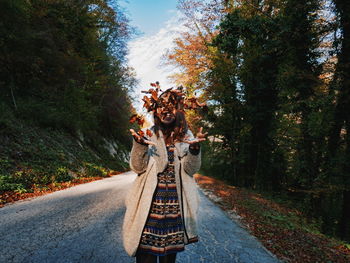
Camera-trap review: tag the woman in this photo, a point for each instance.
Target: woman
(163, 201)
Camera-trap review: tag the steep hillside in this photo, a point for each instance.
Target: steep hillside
(32, 156)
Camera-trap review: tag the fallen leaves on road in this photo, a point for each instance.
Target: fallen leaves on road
(282, 230)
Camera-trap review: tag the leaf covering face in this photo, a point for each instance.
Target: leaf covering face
(167, 106)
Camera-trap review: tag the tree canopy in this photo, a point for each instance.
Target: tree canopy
(275, 74)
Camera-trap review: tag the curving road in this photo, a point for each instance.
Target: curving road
(83, 224)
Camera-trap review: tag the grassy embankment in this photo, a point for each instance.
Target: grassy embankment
(35, 160)
(281, 228)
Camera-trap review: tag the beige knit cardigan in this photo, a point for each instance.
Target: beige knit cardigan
(147, 162)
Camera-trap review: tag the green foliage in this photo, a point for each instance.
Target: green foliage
(278, 92)
(7, 184)
(62, 175)
(33, 156)
(63, 90)
(251, 43)
(92, 170)
(216, 161)
(62, 65)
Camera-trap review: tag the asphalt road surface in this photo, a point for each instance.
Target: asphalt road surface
(83, 224)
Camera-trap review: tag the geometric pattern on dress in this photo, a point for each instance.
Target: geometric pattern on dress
(163, 232)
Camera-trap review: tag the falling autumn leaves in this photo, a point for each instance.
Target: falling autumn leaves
(137, 118)
(159, 102)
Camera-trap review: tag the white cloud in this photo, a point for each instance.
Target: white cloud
(145, 57)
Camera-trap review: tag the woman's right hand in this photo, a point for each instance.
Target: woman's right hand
(140, 139)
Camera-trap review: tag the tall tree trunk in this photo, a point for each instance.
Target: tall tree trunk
(342, 116)
(344, 226)
(301, 45)
(342, 78)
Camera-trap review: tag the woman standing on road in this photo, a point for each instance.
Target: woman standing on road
(162, 204)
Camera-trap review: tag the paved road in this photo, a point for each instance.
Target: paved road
(83, 224)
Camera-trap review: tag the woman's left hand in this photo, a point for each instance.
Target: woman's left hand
(199, 138)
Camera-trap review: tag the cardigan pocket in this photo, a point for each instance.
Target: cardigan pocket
(135, 184)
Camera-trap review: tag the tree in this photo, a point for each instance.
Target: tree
(339, 138)
(63, 64)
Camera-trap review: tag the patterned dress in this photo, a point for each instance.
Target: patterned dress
(163, 232)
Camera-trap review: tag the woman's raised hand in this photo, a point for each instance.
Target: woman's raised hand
(139, 138)
(199, 137)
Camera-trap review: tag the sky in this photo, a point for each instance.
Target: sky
(158, 22)
(150, 15)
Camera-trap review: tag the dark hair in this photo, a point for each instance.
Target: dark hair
(179, 125)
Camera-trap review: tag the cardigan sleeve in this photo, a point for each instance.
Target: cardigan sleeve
(139, 157)
(192, 160)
